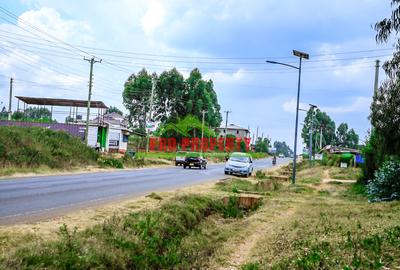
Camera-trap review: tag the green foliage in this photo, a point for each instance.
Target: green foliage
(111, 162)
(385, 186)
(113, 109)
(283, 148)
(260, 174)
(189, 126)
(152, 239)
(262, 145)
(384, 142)
(346, 137)
(362, 252)
(331, 160)
(34, 147)
(136, 98)
(174, 98)
(3, 113)
(320, 119)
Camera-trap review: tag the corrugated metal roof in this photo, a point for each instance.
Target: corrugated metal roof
(233, 126)
(62, 102)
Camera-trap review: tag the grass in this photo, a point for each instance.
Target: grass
(178, 235)
(34, 148)
(239, 185)
(303, 226)
(332, 230)
(311, 175)
(345, 173)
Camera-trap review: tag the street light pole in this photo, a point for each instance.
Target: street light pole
(301, 55)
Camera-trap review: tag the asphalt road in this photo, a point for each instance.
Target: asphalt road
(34, 198)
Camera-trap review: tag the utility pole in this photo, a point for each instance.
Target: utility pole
(92, 61)
(320, 139)
(153, 86)
(226, 127)
(10, 99)
(376, 76)
(256, 136)
(202, 131)
(311, 130)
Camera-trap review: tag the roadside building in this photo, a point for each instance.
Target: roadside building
(108, 132)
(232, 129)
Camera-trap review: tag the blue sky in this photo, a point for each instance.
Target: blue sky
(258, 94)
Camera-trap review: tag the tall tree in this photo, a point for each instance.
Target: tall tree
(385, 112)
(321, 121)
(346, 137)
(136, 98)
(200, 95)
(113, 109)
(3, 113)
(283, 148)
(262, 145)
(169, 100)
(174, 98)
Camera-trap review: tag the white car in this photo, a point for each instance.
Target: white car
(239, 164)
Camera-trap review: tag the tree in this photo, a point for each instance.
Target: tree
(136, 98)
(169, 98)
(262, 145)
(3, 113)
(346, 137)
(112, 109)
(189, 127)
(385, 113)
(283, 148)
(321, 121)
(200, 95)
(174, 98)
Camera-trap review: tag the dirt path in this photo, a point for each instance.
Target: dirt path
(243, 251)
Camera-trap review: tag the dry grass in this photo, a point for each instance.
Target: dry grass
(315, 224)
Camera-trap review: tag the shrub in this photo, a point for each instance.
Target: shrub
(111, 162)
(260, 174)
(33, 147)
(149, 239)
(385, 186)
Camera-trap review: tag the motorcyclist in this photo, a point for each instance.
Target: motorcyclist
(274, 160)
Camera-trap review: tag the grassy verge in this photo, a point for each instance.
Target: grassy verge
(333, 227)
(345, 173)
(179, 235)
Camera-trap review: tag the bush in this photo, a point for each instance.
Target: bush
(260, 174)
(111, 162)
(33, 147)
(386, 184)
(149, 239)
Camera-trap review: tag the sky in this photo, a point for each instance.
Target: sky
(229, 41)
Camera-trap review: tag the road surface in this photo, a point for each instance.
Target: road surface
(34, 198)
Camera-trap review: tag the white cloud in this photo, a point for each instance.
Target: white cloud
(359, 104)
(290, 106)
(50, 21)
(153, 18)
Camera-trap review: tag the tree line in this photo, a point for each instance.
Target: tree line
(323, 124)
(174, 98)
